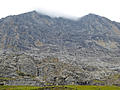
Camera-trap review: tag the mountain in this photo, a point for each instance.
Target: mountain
(32, 30)
(37, 49)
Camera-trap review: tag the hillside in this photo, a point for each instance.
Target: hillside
(37, 49)
(32, 30)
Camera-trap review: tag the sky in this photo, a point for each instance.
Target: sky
(65, 8)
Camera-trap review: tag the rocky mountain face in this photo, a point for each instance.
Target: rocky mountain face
(32, 30)
(36, 49)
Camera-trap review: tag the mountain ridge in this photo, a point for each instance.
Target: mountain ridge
(90, 24)
(50, 16)
(39, 50)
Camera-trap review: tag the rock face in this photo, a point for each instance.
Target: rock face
(39, 50)
(32, 30)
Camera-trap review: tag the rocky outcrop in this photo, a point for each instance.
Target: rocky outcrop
(54, 69)
(40, 50)
(24, 81)
(91, 35)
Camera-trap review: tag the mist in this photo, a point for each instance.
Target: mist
(56, 14)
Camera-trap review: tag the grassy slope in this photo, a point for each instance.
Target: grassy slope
(18, 88)
(68, 87)
(96, 87)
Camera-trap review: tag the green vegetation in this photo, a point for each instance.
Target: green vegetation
(95, 87)
(19, 88)
(98, 82)
(6, 78)
(65, 87)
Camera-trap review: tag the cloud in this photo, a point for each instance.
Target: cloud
(65, 8)
(56, 14)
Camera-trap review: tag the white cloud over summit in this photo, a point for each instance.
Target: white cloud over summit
(66, 8)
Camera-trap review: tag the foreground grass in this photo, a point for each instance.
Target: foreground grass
(95, 87)
(65, 87)
(19, 88)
